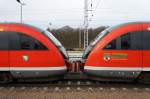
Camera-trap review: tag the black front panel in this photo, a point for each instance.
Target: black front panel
(128, 41)
(14, 41)
(4, 41)
(146, 40)
(19, 41)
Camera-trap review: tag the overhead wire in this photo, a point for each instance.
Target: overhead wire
(93, 11)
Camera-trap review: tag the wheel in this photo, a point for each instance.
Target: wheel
(5, 78)
(144, 78)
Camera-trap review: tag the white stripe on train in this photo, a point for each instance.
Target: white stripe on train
(117, 68)
(32, 68)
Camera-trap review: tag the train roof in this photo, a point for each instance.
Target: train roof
(123, 24)
(24, 24)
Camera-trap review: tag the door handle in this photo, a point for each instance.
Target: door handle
(25, 58)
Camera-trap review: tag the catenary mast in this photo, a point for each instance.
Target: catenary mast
(85, 23)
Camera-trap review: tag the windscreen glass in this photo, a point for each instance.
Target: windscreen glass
(100, 35)
(54, 40)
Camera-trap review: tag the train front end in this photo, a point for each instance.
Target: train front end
(116, 53)
(30, 53)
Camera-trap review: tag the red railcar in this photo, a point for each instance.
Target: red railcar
(29, 52)
(120, 53)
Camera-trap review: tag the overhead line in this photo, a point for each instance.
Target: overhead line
(98, 3)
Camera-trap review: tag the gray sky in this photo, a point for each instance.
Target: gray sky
(70, 12)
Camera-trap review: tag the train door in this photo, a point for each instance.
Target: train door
(146, 47)
(4, 54)
(28, 57)
(122, 57)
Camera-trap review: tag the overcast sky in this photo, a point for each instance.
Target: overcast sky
(70, 12)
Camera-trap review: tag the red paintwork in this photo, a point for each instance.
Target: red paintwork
(49, 58)
(136, 58)
(4, 59)
(36, 59)
(4, 62)
(96, 59)
(146, 54)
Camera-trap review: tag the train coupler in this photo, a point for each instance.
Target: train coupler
(75, 66)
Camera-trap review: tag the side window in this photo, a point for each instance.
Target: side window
(4, 41)
(19, 41)
(14, 41)
(111, 45)
(38, 46)
(29, 43)
(25, 42)
(128, 41)
(146, 40)
(136, 40)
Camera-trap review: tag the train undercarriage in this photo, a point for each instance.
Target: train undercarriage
(76, 72)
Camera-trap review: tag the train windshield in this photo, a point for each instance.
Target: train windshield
(93, 43)
(98, 38)
(57, 43)
(100, 35)
(103, 33)
(54, 40)
(49, 35)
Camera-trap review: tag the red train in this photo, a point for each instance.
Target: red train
(120, 53)
(29, 52)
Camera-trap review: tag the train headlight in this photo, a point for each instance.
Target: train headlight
(1, 29)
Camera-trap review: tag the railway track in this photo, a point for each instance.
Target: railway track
(75, 85)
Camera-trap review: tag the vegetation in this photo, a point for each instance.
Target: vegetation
(69, 37)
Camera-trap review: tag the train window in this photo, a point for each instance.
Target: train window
(4, 41)
(29, 43)
(128, 41)
(111, 45)
(19, 41)
(136, 40)
(25, 42)
(146, 40)
(14, 41)
(38, 46)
